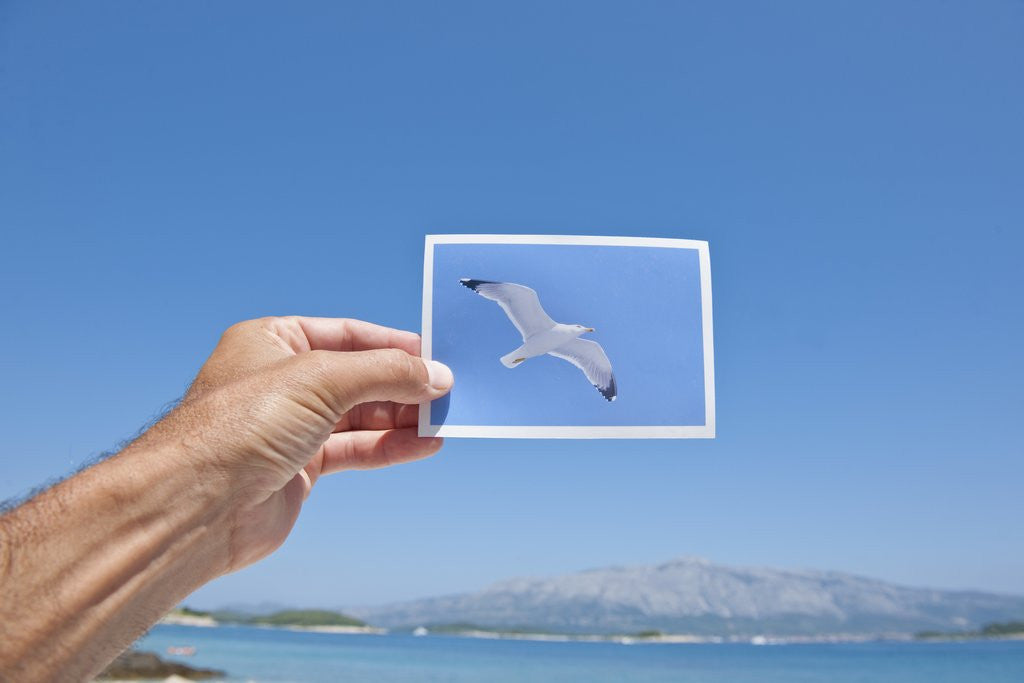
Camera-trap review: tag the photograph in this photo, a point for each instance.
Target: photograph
(562, 336)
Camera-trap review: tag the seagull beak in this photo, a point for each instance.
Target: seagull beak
(590, 329)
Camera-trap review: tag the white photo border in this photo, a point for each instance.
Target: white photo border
(705, 431)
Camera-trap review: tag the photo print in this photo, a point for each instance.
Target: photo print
(569, 336)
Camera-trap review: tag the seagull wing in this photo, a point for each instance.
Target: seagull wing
(589, 357)
(520, 304)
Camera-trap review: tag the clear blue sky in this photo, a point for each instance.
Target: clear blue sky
(169, 168)
(644, 304)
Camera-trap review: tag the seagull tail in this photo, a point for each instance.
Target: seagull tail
(509, 359)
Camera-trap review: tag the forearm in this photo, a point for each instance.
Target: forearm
(89, 565)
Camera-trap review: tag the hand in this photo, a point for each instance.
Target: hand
(87, 565)
(282, 401)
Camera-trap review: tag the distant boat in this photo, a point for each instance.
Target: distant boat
(420, 631)
(184, 651)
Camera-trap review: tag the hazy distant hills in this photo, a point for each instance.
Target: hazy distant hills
(696, 597)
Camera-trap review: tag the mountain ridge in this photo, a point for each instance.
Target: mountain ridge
(693, 595)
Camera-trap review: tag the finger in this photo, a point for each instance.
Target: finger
(307, 483)
(348, 379)
(364, 450)
(342, 334)
(379, 415)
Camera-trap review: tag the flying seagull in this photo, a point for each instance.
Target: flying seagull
(543, 335)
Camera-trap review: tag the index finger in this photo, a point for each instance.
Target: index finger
(346, 334)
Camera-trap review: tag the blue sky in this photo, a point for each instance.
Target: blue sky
(643, 303)
(169, 168)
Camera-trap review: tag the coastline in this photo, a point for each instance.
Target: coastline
(351, 630)
(193, 619)
(676, 638)
(209, 622)
(663, 639)
(189, 620)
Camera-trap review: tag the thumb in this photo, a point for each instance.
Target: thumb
(353, 377)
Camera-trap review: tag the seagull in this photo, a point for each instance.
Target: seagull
(543, 335)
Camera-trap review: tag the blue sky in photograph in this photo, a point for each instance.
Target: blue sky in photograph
(169, 168)
(643, 303)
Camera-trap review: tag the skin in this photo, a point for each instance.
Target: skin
(87, 566)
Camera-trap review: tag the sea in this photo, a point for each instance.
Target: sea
(263, 654)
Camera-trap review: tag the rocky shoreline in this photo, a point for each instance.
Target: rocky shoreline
(135, 665)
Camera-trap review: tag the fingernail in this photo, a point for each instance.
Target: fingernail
(439, 375)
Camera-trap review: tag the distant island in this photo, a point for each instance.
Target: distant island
(687, 600)
(338, 622)
(999, 630)
(698, 598)
(304, 619)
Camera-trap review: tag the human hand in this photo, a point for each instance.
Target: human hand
(90, 563)
(282, 401)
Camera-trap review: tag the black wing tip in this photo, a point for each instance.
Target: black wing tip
(609, 392)
(473, 284)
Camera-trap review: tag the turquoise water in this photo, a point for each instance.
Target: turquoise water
(277, 655)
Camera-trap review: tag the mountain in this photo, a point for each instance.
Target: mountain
(694, 596)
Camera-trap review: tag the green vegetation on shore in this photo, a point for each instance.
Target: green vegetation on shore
(312, 618)
(288, 617)
(306, 617)
(994, 630)
(1006, 628)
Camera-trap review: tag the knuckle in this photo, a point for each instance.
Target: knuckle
(313, 379)
(317, 361)
(402, 367)
(243, 327)
(388, 366)
(234, 330)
